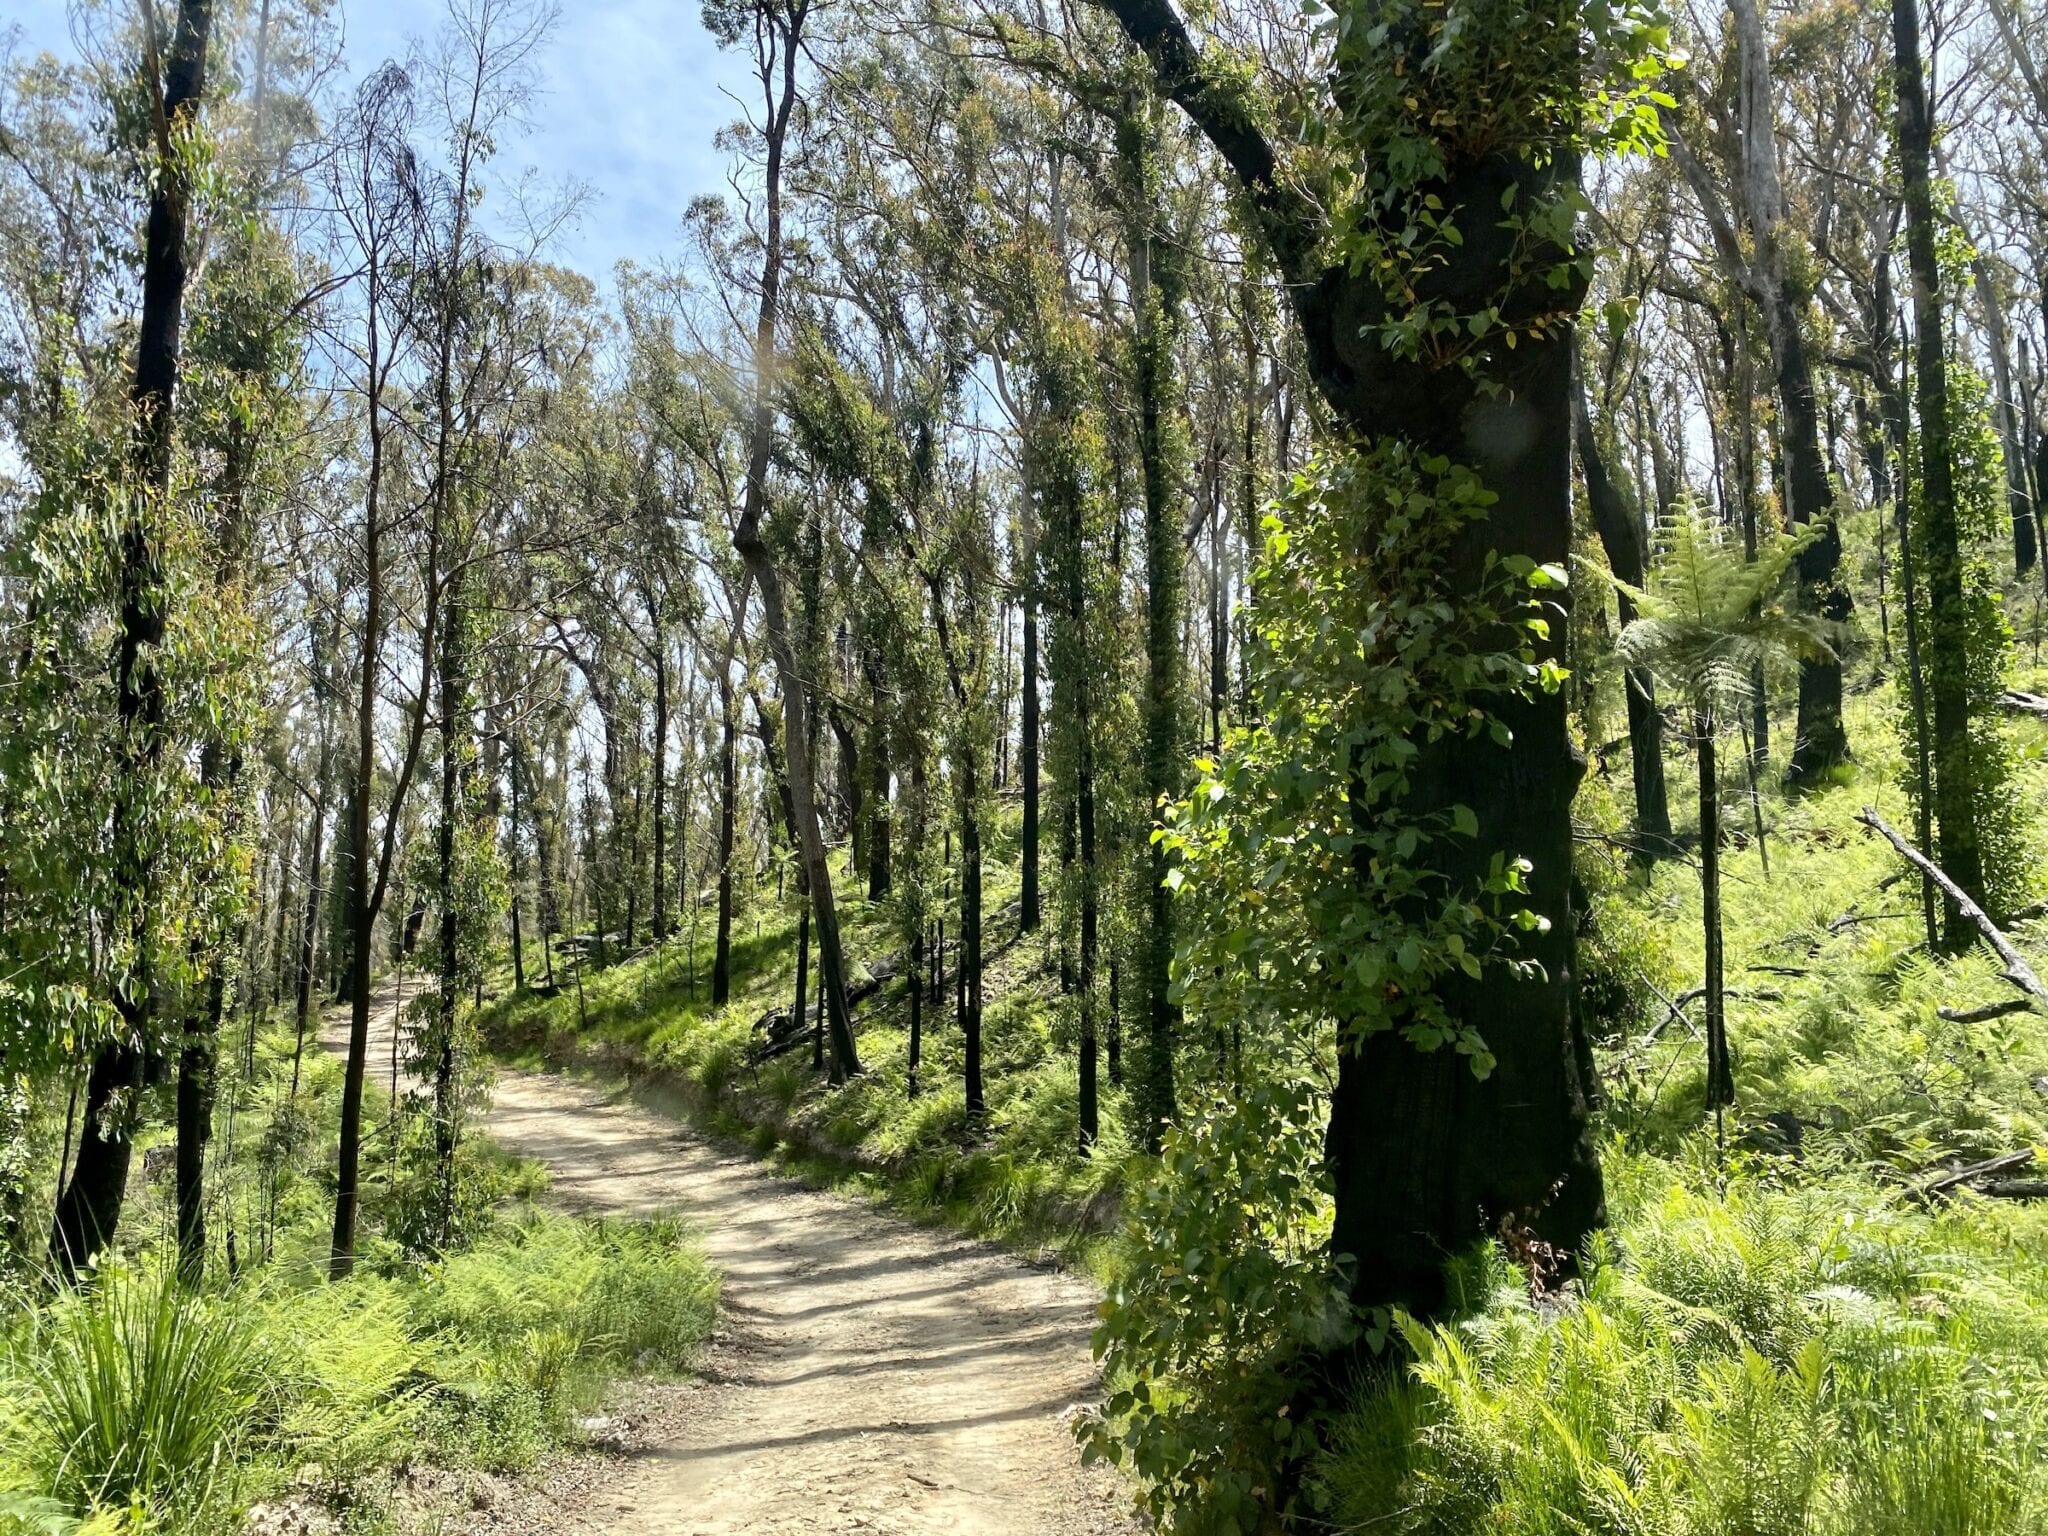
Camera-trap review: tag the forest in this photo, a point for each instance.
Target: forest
(1228, 768)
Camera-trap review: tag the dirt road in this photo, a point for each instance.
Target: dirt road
(875, 1376)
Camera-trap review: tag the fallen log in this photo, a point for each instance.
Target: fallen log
(2005, 1162)
(2017, 971)
(2021, 702)
(2016, 1189)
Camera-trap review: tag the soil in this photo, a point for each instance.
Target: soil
(869, 1374)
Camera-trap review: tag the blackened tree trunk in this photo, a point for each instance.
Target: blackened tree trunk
(89, 1208)
(658, 920)
(728, 798)
(448, 992)
(1028, 726)
(878, 792)
(1720, 1068)
(1424, 1156)
(1621, 536)
(1948, 683)
(852, 787)
(969, 966)
(803, 979)
(1157, 289)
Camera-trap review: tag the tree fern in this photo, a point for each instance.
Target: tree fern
(1709, 614)
(1707, 623)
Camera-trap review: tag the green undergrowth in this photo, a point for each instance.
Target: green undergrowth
(136, 1405)
(1776, 1334)
(1749, 1355)
(1016, 1177)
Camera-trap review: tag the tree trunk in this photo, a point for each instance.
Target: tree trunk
(1028, 734)
(969, 966)
(658, 920)
(1720, 1070)
(1156, 288)
(780, 42)
(878, 794)
(89, 1209)
(803, 979)
(1621, 536)
(728, 798)
(1955, 796)
(2026, 549)
(447, 998)
(1425, 1157)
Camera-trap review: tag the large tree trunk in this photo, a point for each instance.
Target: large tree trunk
(1621, 536)
(1156, 287)
(1028, 730)
(1948, 682)
(780, 42)
(1424, 1156)
(89, 1208)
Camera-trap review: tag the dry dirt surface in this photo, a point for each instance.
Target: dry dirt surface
(869, 1375)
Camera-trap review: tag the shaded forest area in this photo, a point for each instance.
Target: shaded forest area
(1374, 668)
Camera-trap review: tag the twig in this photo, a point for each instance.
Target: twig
(2017, 971)
(1851, 919)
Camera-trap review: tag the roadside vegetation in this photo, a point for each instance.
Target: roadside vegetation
(139, 1405)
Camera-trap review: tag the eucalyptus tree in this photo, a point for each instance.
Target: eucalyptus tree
(1761, 250)
(1445, 366)
(172, 72)
(406, 223)
(775, 32)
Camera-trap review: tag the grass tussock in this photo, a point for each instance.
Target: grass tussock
(135, 1405)
(135, 1398)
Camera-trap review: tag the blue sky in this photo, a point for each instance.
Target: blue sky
(634, 91)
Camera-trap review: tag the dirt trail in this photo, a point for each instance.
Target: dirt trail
(877, 1376)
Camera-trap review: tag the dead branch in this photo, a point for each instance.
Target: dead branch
(2005, 1162)
(2017, 971)
(1985, 1012)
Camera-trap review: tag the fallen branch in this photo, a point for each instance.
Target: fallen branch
(2017, 971)
(2022, 703)
(1984, 1013)
(2005, 1162)
(1850, 920)
(2016, 1189)
(1674, 1008)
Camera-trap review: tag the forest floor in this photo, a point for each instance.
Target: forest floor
(868, 1375)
